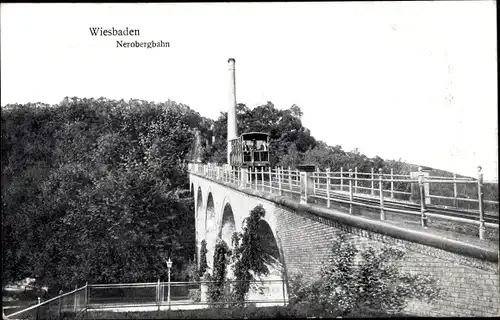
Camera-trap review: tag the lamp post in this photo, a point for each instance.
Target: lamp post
(169, 266)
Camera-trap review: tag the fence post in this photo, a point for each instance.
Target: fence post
(422, 197)
(86, 295)
(355, 179)
(279, 171)
(480, 202)
(290, 178)
(328, 187)
(373, 183)
(381, 190)
(74, 305)
(350, 191)
(38, 310)
(59, 300)
(341, 179)
(314, 173)
(158, 294)
(454, 189)
(392, 183)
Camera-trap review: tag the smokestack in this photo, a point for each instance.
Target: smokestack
(231, 112)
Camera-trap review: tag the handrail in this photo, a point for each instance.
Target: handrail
(45, 302)
(377, 185)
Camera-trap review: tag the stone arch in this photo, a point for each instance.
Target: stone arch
(199, 202)
(210, 216)
(268, 240)
(227, 224)
(210, 228)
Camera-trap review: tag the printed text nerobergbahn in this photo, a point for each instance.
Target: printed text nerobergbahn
(143, 44)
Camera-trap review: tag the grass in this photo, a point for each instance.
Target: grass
(233, 313)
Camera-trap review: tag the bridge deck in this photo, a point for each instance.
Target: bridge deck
(454, 230)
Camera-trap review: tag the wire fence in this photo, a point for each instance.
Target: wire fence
(67, 305)
(181, 295)
(152, 296)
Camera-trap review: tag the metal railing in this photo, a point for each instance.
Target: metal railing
(67, 305)
(157, 296)
(413, 194)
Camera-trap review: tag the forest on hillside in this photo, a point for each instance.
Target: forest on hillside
(97, 190)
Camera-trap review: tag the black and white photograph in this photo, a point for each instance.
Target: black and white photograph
(248, 160)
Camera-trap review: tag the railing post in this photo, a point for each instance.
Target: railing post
(392, 183)
(290, 178)
(350, 191)
(341, 179)
(480, 202)
(328, 187)
(422, 198)
(255, 178)
(454, 189)
(355, 179)
(381, 190)
(280, 172)
(373, 183)
(262, 177)
(270, 180)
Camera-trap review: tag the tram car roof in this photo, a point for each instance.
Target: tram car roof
(254, 135)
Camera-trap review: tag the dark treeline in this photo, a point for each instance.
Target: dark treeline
(291, 142)
(94, 190)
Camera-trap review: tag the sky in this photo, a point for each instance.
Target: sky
(415, 81)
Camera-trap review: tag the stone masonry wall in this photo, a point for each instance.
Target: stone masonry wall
(470, 285)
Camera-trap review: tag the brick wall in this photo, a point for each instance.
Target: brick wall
(470, 285)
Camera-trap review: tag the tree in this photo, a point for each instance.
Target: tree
(90, 190)
(217, 287)
(249, 256)
(203, 257)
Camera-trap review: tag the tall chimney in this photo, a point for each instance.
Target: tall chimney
(231, 112)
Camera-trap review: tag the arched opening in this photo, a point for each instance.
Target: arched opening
(210, 230)
(192, 190)
(228, 226)
(199, 207)
(210, 213)
(274, 288)
(199, 202)
(267, 241)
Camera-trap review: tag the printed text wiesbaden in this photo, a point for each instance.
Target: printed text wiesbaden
(99, 31)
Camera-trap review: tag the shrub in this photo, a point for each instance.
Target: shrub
(203, 257)
(194, 295)
(372, 282)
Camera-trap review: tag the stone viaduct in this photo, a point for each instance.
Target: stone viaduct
(303, 234)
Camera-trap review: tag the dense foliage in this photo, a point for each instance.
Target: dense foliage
(218, 285)
(368, 280)
(203, 257)
(92, 191)
(249, 257)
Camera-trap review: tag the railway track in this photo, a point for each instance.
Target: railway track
(390, 204)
